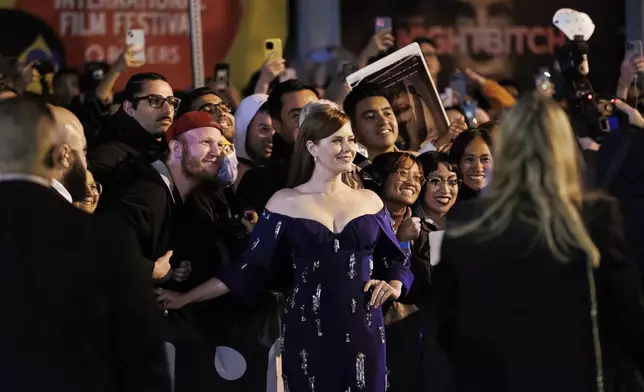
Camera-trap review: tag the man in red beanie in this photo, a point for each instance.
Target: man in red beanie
(196, 146)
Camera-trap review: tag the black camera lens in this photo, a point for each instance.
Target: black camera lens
(269, 45)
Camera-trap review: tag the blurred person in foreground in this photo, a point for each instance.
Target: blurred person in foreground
(534, 286)
(80, 316)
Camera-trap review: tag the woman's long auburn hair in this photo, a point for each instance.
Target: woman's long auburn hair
(316, 126)
(537, 170)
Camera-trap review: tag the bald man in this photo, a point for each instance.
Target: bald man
(67, 157)
(78, 311)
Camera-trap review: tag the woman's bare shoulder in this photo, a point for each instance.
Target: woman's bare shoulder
(281, 200)
(370, 200)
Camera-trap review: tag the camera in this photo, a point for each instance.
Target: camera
(270, 46)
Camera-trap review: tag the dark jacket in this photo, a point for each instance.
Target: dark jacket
(260, 184)
(515, 319)
(123, 146)
(80, 314)
(210, 237)
(620, 172)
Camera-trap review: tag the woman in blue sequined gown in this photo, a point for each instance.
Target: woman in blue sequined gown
(343, 260)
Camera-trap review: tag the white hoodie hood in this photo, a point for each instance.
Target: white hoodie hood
(244, 115)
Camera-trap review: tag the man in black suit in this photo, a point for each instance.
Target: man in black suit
(78, 305)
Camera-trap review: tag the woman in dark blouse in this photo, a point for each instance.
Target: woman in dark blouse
(534, 288)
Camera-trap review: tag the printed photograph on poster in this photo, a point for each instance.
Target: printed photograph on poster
(414, 97)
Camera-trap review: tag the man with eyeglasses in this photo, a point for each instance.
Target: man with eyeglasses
(136, 132)
(133, 139)
(206, 100)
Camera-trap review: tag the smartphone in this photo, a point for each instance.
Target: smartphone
(348, 68)
(458, 84)
(383, 23)
(447, 98)
(543, 79)
(222, 76)
(273, 46)
(608, 124)
(469, 107)
(635, 47)
(136, 39)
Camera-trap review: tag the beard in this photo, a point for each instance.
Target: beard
(75, 180)
(194, 167)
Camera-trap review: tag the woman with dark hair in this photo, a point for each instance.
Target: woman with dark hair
(397, 177)
(334, 249)
(471, 153)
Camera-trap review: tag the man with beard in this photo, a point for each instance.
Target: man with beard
(67, 156)
(204, 99)
(207, 234)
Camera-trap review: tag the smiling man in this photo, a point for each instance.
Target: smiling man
(372, 119)
(205, 99)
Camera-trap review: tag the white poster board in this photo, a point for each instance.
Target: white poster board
(405, 76)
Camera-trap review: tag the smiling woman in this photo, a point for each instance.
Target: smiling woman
(471, 153)
(397, 177)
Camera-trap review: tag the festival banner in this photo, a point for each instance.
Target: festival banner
(73, 32)
(503, 39)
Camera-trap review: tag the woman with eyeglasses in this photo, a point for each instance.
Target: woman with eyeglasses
(534, 286)
(93, 192)
(397, 177)
(471, 153)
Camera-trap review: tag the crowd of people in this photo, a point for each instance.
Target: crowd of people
(303, 240)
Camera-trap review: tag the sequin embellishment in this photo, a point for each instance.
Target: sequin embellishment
(360, 376)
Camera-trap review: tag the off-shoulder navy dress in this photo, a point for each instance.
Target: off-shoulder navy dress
(332, 340)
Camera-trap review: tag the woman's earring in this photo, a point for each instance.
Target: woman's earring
(315, 158)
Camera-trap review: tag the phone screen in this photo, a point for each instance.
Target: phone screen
(383, 23)
(470, 113)
(635, 47)
(458, 83)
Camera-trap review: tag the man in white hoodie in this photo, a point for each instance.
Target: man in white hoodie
(253, 133)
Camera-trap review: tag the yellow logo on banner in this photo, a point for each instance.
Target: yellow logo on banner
(37, 50)
(7, 3)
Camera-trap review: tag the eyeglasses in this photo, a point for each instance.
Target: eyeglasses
(406, 175)
(96, 188)
(157, 101)
(216, 108)
(437, 182)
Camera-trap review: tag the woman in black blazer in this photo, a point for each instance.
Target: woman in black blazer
(535, 291)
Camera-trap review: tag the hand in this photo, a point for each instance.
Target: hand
(249, 220)
(382, 292)
(455, 129)
(631, 65)
(409, 229)
(272, 68)
(170, 299)
(475, 77)
(183, 272)
(634, 116)
(588, 144)
(380, 42)
(162, 266)
(126, 59)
